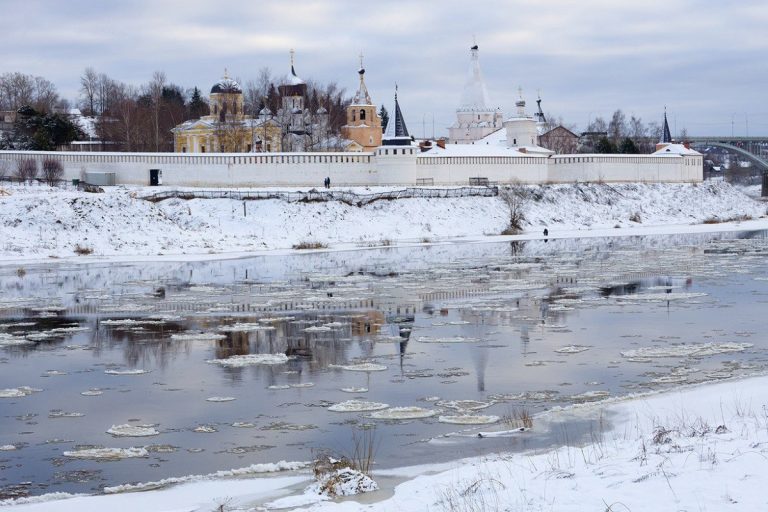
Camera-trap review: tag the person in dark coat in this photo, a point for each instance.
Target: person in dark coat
(546, 232)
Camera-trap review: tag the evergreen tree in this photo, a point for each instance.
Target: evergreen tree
(605, 146)
(628, 146)
(197, 106)
(384, 115)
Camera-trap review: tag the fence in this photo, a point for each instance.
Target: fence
(310, 196)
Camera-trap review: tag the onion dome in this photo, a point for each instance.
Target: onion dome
(226, 86)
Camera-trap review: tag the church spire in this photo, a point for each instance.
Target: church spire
(396, 133)
(362, 97)
(475, 95)
(666, 136)
(539, 113)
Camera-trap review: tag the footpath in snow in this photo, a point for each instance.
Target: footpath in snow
(38, 222)
(697, 448)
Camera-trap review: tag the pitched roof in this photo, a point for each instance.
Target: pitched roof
(666, 136)
(396, 132)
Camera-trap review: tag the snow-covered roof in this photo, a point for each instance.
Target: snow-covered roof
(361, 96)
(293, 79)
(676, 149)
(477, 149)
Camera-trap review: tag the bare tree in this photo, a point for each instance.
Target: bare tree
(89, 86)
(617, 128)
(516, 198)
(155, 90)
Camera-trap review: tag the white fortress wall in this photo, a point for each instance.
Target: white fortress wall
(453, 170)
(625, 168)
(309, 169)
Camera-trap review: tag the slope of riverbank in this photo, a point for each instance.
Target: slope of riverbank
(39, 222)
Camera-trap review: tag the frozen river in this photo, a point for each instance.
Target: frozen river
(119, 373)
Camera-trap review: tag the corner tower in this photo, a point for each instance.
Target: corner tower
(363, 122)
(475, 118)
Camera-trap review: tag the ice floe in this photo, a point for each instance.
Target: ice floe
(92, 392)
(19, 392)
(132, 431)
(220, 399)
(360, 367)
(107, 453)
(464, 405)
(354, 390)
(685, 350)
(126, 372)
(198, 336)
(250, 360)
(357, 406)
(571, 349)
(204, 429)
(403, 413)
(448, 339)
(8, 448)
(469, 419)
(245, 327)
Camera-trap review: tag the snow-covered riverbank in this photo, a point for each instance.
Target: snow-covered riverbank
(38, 222)
(696, 448)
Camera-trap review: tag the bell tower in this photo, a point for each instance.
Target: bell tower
(363, 122)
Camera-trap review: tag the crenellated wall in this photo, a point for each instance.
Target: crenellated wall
(310, 169)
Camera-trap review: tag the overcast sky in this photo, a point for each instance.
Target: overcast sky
(705, 60)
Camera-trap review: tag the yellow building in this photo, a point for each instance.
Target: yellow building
(227, 129)
(363, 122)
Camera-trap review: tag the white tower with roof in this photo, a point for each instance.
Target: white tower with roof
(475, 118)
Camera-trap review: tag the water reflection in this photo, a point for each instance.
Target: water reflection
(526, 324)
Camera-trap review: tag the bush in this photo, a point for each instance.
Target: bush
(310, 245)
(53, 171)
(635, 217)
(83, 250)
(26, 169)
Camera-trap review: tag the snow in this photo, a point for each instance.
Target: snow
(119, 223)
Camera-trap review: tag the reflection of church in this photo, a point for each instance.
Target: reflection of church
(228, 129)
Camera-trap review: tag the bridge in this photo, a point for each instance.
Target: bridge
(751, 149)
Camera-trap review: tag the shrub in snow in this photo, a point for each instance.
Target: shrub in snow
(339, 477)
(52, 171)
(26, 169)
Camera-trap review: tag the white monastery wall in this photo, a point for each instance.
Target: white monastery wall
(309, 169)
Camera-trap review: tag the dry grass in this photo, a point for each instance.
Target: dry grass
(82, 250)
(310, 245)
(21, 272)
(718, 220)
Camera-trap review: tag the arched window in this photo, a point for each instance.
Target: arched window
(362, 114)
(215, 109)
(354, 115)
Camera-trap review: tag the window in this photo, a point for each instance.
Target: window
(362, 114)
(183, 149)
(202, 148)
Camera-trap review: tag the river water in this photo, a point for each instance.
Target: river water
(223, 364)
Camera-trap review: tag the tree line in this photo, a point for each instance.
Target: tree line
(127, 117)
